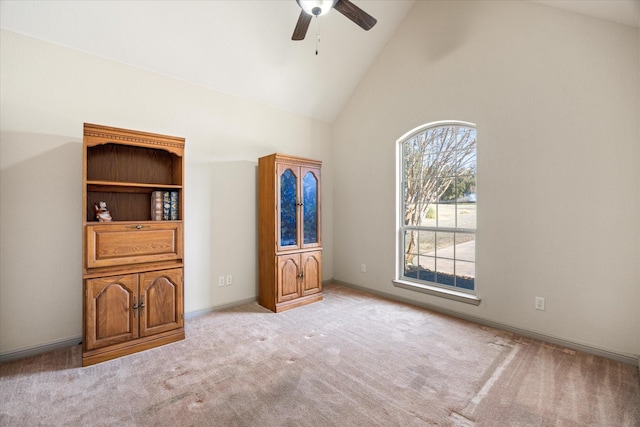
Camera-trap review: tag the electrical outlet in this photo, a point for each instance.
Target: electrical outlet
(539, 303)
(229, 280)
(363, 268)
(220, 280)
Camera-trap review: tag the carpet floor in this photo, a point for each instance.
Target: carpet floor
(352, 359)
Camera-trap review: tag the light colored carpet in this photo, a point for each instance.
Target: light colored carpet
(350, 360)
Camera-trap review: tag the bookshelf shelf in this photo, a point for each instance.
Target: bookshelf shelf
(128, 187)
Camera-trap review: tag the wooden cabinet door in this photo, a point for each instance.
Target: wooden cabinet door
(311, 263)
(288, 216)
(310, 212)
(288, 277)
(110, 314)
(161, 296)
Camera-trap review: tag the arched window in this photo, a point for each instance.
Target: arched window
(437, 207)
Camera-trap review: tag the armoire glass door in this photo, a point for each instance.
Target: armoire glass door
(288, 209)
(310, 208)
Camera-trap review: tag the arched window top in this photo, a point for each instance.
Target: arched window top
(443, 123)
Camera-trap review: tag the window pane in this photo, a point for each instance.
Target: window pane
(465, 275)
(411, 247)
(414, 159)
(411, 242)
(465, 188)
(410, 253)
(466, 212)
(444, 271)
(409, 215)
(446, 214)
(466, 215)
(418, 214)
(411, 203)
(410, 271)
(445, 245)
(466, 140)
(446, 188)
(466, 246)
(467, 162)
(427, 269)
(427, 241)
(429, 216)
(430, 167)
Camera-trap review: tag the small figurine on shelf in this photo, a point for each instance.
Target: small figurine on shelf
(102, 213)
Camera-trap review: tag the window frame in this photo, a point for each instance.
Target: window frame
(402, 281)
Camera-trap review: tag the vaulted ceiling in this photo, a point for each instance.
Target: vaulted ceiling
(243, 48)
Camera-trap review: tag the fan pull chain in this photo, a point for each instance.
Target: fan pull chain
(317, 34)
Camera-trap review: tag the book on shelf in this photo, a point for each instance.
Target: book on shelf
(173, 210)
(156, 205)
(164, 205)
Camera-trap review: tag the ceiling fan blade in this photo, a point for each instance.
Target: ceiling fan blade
(302, 26)
(354, 13)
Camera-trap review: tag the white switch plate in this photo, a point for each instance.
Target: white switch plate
(220, 280)
(539, 303)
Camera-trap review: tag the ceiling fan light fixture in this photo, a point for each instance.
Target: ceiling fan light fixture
(316, 7)
(311, 8)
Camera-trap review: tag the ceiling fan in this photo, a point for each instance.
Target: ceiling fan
(311, 8)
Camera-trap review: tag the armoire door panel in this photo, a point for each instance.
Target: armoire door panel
(111, 310)
(161, 301)
(288, 277)
(288, 218)
(311, 263)
(310, 208)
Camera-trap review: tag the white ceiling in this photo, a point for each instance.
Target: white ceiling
(243, 48)
(625, 12)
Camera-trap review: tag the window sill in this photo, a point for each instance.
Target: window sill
(437, 291)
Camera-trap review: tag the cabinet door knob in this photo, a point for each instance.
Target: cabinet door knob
(141, 305)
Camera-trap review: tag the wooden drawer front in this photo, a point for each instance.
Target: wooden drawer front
(111, 245)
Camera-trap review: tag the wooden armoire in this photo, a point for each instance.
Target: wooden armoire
(132, 266)
(289, 232)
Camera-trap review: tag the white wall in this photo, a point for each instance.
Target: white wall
(48, 92)
(554, 96)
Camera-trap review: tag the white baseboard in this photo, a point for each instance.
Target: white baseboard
(39, 349)
(623, 358)
(202, 312)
